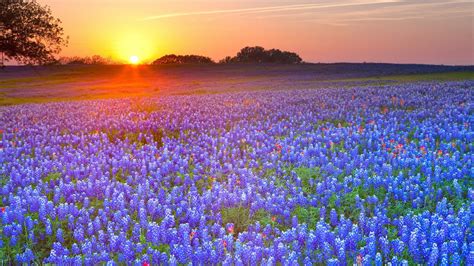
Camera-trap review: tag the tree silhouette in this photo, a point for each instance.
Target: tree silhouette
(255, 54)
(258, 54)
(92, 60)
(29, 32)
(182, 59)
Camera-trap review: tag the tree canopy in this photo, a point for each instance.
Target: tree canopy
(255, 54)
(29, 33)
(259, 54)
(182, 59)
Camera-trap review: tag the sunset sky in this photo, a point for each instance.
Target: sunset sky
(398, 31)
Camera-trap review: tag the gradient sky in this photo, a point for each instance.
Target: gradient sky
(398, 31)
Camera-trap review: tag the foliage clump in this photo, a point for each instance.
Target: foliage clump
(30, 34)
(173, 59)
(259, 54)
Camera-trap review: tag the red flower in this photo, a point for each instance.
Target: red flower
(231, 229)
(224, 243)
(274, 218)
(423, 149)
(145, 263)
(278, 147)
(191, 235)
(359, 259)
(3, 209)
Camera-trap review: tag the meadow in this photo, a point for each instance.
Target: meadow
(20, 85)
(222, 166)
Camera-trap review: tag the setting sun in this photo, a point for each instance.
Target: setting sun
(134, 59)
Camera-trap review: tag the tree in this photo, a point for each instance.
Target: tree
(93, 60)
(258, 54)
(29, 34)
(182, 59)
(226, 60)
(255, 54)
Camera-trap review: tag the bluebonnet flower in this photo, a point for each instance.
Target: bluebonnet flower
(394, 260)
(455, 259)
(470, 258)
(333, 262)
(172, 261)
(59, 235)
(333, 217)
(371, 245)
(111, 263)
(413, 243)
(444, 259)
(78, 234)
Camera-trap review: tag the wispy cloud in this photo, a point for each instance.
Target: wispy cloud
(270, 9)
(394, 11)
(341, 12)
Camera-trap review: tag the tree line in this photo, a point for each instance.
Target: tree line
(255, 54)
(85, 60)
(258, 54)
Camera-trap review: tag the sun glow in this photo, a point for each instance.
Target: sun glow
(130, 43)
(134, 60)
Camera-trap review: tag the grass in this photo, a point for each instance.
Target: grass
(139, 138)
(307, 214)
(52, 176)
(6, 100)
(305, 174)
(146, 107)
(445, 76)
(193, 92)
(242, 218)
(42, 246)
(66, 83)
(335, 122)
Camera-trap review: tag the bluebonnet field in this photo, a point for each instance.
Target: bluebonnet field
(367, 175)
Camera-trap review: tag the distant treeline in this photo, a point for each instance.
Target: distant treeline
(87, 60)
(258, 54)
(182, 59)
(255, 54)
